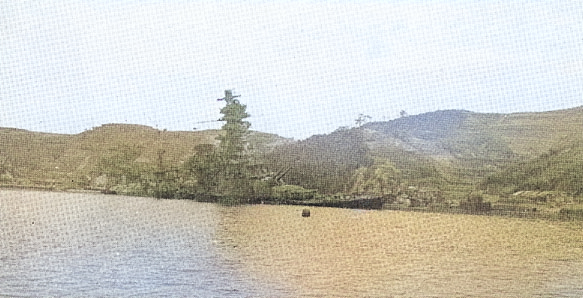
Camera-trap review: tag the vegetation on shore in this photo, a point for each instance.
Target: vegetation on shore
(530, 164)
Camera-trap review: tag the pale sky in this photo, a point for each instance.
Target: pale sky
(302, 67)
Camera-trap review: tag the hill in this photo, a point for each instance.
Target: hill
(443, 155)
(560, 169)
(29, 154)
(463, 134)
(61, 161)
(490, 139)
(450, 152)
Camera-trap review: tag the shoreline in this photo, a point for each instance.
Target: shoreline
(357, 203)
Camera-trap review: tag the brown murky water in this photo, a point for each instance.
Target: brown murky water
(60, 244)
(340, 252)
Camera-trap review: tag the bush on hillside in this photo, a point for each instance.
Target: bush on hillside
(475, 202)
(571, 214)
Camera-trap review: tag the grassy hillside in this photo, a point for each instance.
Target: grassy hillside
(490, 139)
(463, 134)
(532, 134)
(441, 154)
(30, 154)
(75, 161)
(463, 148)
(560, 169)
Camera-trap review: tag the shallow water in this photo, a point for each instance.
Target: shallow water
(67, 244)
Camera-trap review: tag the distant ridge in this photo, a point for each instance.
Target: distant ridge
(429, 125)
(451, 150)
(44, 159)
(525, 134)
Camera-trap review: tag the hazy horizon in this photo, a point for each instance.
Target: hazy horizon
(251, 118)
(302, 68)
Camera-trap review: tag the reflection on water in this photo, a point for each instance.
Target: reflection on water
(340, 252)
(59, 244)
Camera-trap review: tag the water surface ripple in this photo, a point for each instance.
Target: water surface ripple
(65, 244)
(71, 244)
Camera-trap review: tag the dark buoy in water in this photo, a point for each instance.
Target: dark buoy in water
(306, 213)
